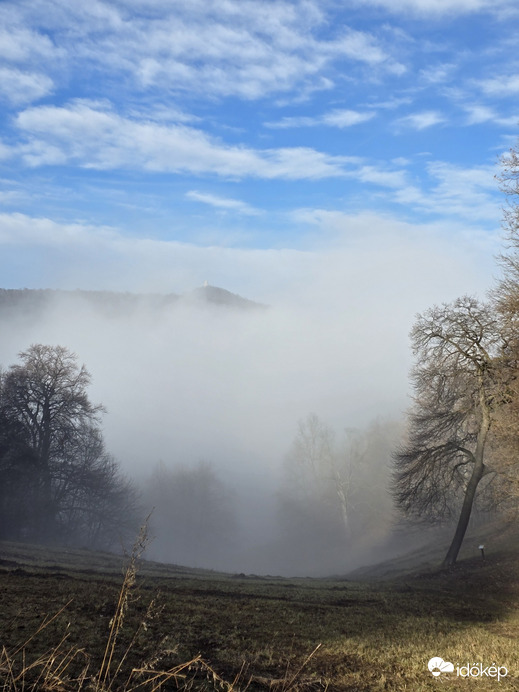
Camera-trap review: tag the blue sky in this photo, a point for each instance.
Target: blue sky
(154, 144)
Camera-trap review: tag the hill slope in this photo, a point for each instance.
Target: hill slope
(31, 302)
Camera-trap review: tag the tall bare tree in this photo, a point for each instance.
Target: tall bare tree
(46, 397)
(342, 479)
(459, 382)
(316, 470)
(57, 481)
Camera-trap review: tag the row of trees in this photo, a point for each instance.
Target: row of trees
(328, 510)
(57, 481)
(463, 442)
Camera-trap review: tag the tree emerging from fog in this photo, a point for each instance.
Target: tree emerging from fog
(58, 483)
(334, 502)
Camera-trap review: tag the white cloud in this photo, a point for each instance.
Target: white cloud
(477, 114)
(21, 230)
(22, 45)
(247, 60)
(6, 151)
(346, 118)
(90, 137)
(420, 121)
(439, 7)
(504, 85)
(437, 73)
(381, 176)
(224, 203)
(512, 121)
(250, 56)
(336, 118)
(361, 46)
(23, 87)
(466, 193)
(392, 103)
(237, 47)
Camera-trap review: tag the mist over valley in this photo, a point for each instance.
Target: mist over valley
(205, 394)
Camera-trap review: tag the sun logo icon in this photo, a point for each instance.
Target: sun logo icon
(437, 666)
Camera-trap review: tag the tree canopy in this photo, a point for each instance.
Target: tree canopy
(57, 480)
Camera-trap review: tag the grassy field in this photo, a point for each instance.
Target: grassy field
(238, 632)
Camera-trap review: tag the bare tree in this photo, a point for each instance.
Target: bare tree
(459, 383)
(52, 456)
(46, 397)
(316, 470)
(96, 504)
(347, 477)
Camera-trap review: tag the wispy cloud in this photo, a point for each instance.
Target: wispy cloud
(478, 114)
(437, 74)
(465, 193)
(23, 87)
(251, 58)
(19, 44)
(503, 85)
(87, 136)
(340, 118)
(237, 47)
(440, 7)
(382, 176)
(420, 121)
(223, 203)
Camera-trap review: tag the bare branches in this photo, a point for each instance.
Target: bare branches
(56, 478)
(457, 379)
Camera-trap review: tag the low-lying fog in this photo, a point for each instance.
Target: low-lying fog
(208, 406)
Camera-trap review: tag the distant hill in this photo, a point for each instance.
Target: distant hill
(31, 302)
(219, 296)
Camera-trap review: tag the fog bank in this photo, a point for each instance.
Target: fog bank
(190, 381)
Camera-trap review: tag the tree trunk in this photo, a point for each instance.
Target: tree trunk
(463, 521)
(478, 472)
(46, 514)
(344, 506)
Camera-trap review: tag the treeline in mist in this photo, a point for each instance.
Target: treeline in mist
(58, 484)
(331, 508)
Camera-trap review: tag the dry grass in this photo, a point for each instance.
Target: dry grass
(66, 668)
(208, 631)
